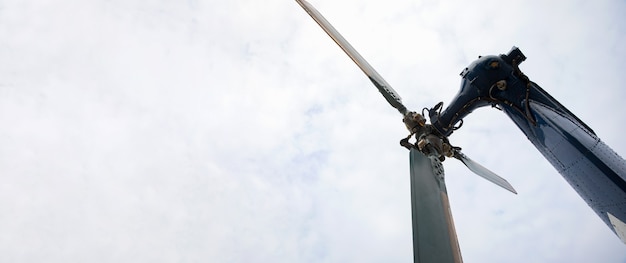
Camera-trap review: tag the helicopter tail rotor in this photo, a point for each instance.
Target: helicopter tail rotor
(434, 142)
(383, 87)
(483, 172)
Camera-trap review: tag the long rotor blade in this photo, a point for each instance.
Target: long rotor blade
(484, 172)
(390, 95)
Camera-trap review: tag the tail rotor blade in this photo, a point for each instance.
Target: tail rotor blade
(484, 172)
(389, 93)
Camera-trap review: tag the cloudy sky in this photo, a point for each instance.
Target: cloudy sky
(237, 131)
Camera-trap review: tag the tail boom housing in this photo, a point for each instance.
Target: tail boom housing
(590, 166)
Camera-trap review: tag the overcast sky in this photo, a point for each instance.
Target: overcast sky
(237, 131)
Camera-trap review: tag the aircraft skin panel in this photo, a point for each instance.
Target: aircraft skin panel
(619, 226)
(590, 166)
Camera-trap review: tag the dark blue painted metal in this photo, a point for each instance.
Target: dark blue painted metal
(591, 167)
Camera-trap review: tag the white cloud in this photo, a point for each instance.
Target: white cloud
(238, 132)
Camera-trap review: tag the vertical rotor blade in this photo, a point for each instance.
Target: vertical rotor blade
(484, 172)
(390, 95)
